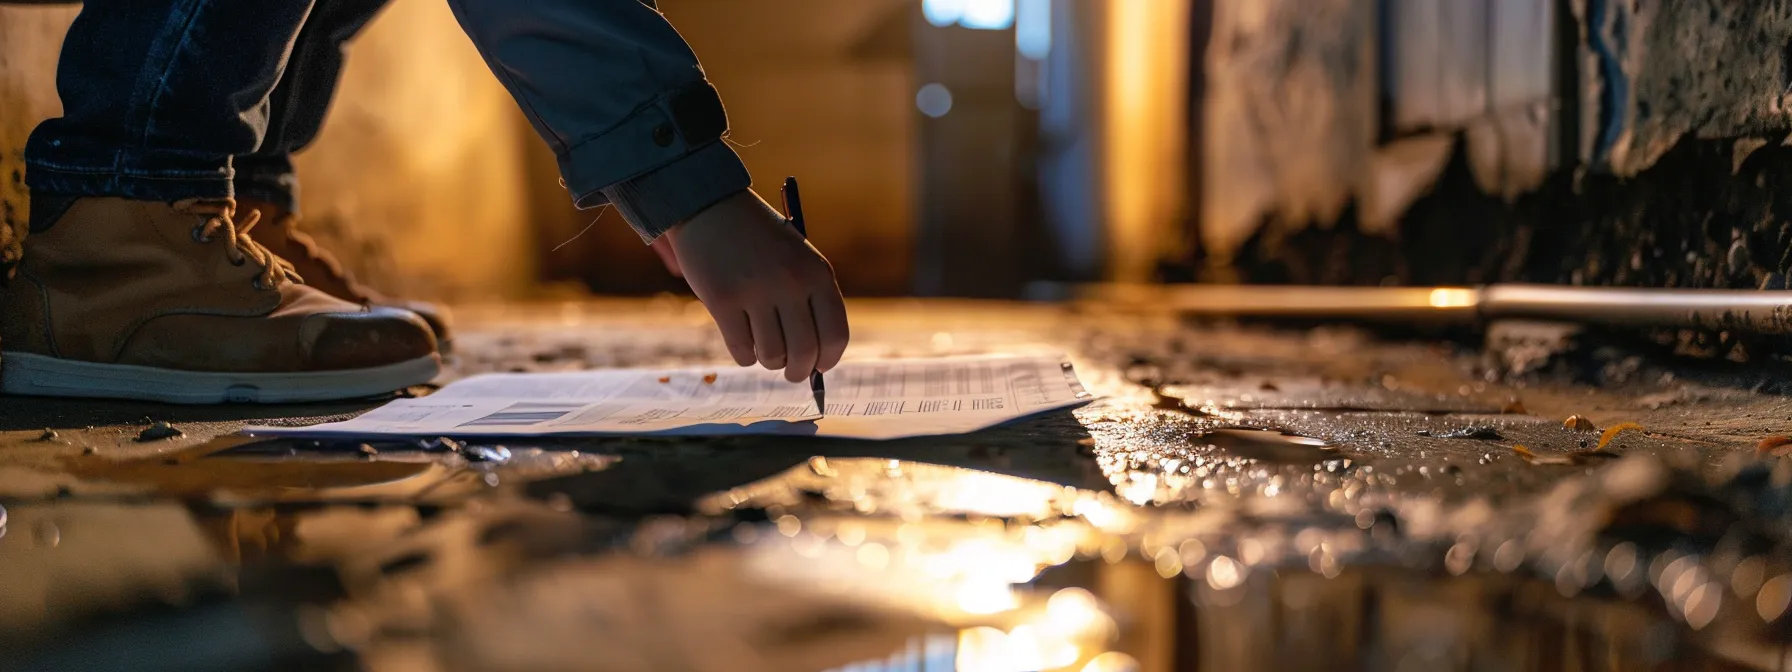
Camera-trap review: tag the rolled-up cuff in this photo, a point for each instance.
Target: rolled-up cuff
(672, 193)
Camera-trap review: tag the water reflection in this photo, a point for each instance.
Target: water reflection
(828, 562)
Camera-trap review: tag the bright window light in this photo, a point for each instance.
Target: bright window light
(943, 13)
(1033, 28)
(988, 14)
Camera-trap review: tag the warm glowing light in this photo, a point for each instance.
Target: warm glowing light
(850, 533)
(788, 525)
(1448, 297)
(1145, 99)
(982, 649)
(1774, 598)
(1224, 573)
(985, 597)
(1192, 552)
(1168, 564)
(874, 555)
(1140, 489)
(1112, 661)
(1025, 650)
(997, 495)
(1072, 611)
(1702, 604)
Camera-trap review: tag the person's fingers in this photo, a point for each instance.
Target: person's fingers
(830, 327)
(737, 333)
(799, 341)
(768, 336)
(668, 256)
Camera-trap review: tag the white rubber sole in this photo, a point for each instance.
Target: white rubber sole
(38, 375)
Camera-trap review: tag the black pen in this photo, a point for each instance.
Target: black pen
(793, 208)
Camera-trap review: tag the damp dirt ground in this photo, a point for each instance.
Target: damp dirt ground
(1240, 497)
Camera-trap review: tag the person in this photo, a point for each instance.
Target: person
(165, 262)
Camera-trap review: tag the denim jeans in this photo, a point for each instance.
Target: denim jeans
(171, 99)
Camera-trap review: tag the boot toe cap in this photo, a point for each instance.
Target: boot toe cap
(436, 316)
(368, 338)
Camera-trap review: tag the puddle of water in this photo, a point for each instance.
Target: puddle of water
(239, 470)
(899, 564)
(1267, 445)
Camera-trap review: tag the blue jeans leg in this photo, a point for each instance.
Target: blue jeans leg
(158, 96)
(302, 98)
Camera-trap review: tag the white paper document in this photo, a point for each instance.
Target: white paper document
(866, 400)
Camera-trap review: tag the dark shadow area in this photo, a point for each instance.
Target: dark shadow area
(27, 413)
(668, 475)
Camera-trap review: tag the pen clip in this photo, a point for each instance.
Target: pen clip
(793, 206)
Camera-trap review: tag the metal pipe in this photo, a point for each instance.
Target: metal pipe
(1756, 311)
(1429, 305)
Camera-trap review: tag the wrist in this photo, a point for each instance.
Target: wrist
(679, 191)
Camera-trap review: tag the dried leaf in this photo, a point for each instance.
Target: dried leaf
(709, 379)
(1534, 458)
(1612, 433)
(1569, 459)
(1769, 444)
(665, 379)
(1578, 423)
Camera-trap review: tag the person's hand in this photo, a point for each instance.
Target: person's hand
(771, 293)
(662, 246)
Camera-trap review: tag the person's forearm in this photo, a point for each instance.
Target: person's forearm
(620, 97)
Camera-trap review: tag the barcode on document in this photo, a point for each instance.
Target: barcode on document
(523, 415)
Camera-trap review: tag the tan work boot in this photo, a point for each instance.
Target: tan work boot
(146, 300)
(280, 233)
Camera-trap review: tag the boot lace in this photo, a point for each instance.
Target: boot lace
(220, 224)
(315, 253)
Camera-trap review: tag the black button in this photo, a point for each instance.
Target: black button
(662, 135)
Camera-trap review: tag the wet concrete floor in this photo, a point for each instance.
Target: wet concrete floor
(1239, 498)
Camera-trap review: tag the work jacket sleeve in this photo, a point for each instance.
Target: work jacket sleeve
(620, 97)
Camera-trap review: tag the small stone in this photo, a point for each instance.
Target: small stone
(48, 435)
(90, 450)
(1578, 424)
(159, 431)
(367, 451)
(1515, 407)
